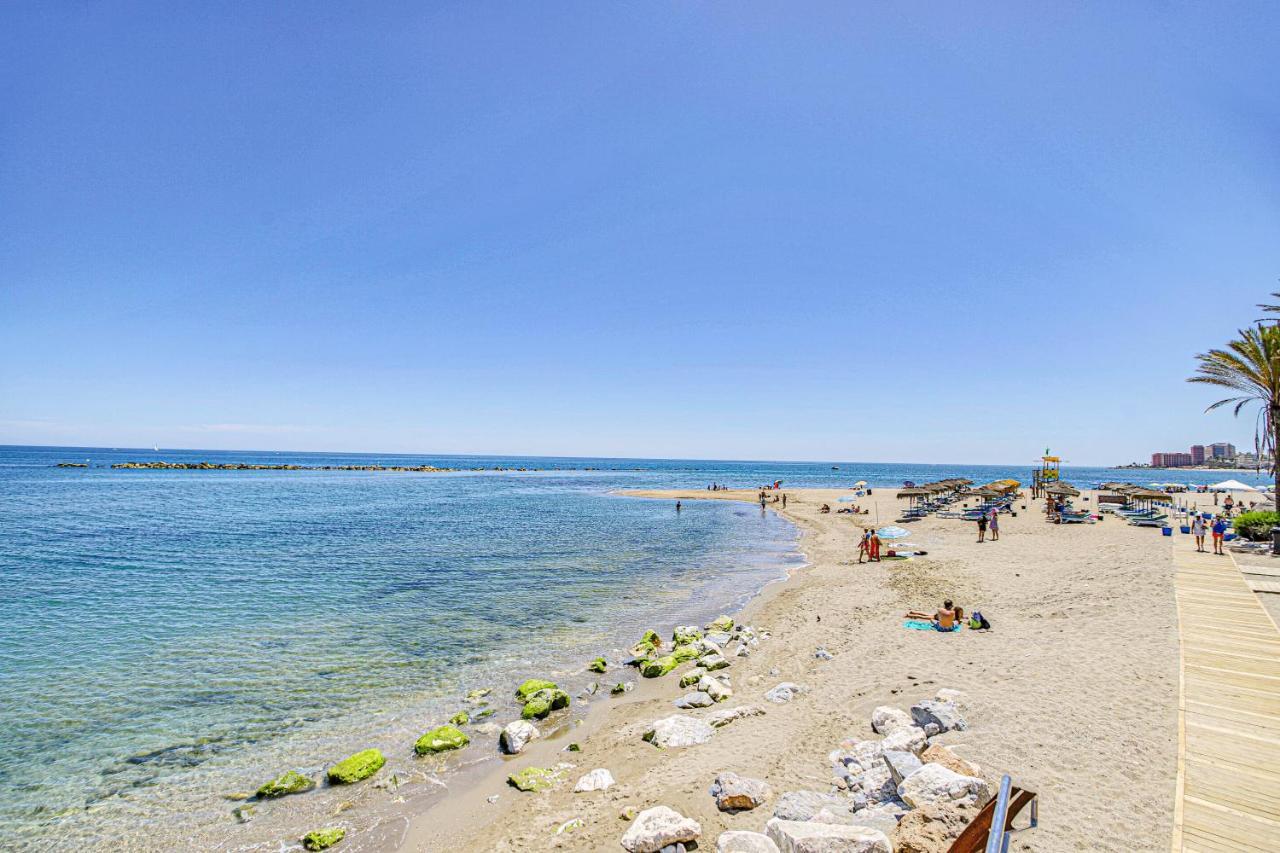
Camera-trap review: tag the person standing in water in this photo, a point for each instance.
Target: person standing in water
(784, 500)
(677, 506)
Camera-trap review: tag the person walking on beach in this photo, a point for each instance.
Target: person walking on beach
(982, 527)
(1219, 530)
(875, 546)
(995, 525)
(784, 500)
(864, 545)
(1197, 530)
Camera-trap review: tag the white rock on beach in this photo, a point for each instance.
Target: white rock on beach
(944, 715)
(955, 697)
(726, 716)
(715, 687)
(803, 805)
(516, 735)
(807, 837)
(909, 739)
(934, 784)
(785, 692)
(738, 841)
(713, 661)
(697, 699)
(886, 719)
(738, 793)
(657, 827)
(599, 779)
(678, 731)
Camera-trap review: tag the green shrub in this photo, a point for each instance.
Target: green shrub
(1256, 526)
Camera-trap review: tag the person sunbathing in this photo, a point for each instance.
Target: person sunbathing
(825, 509)
(945, 619)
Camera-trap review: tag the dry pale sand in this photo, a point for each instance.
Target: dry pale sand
(1074, 692)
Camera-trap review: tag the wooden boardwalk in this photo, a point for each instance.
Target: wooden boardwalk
(1228, 791)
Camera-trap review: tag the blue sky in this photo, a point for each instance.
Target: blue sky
(725, 230)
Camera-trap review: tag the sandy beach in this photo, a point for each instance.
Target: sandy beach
(1073, 692)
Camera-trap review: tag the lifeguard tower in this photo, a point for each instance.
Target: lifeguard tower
(1048, 472)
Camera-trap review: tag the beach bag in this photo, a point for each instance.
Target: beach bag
(978, 621)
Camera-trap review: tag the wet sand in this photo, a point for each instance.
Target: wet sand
(1074, 692)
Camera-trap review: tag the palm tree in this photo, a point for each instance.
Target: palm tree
(1270, 309)
(1250, 367)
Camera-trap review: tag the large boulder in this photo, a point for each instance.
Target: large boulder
(678, 731)
(599, 779)
(886, 718)
(936, 753)
(932, 829)
(543, 702)
(532, 686)
(441, 739)
(658, 827)
(808, 837)
(712, 661)
(516, 735)
(803, 805)
(697, 699)
(735, 793)
(901, 764)
(934, 784)
(906, 739)
(684, 653)
(785, 692)
(658, 667)
(291, 782)
(686, 634)
(738, 841)
(726, 716)
(936, 717)
(356, 767)
(721, 623)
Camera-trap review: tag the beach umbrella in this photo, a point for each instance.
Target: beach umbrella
(893, 532)
(1232, 486)
(913, 493)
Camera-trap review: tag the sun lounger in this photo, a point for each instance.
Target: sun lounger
(1158, 521)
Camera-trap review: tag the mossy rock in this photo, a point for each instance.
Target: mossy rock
(618, 689)
(544, 702)
(323, 839)
(722, 623)
(532, 686)
(532, 779)
(598, 665)
(643, 649)
(651, 637)
(573, 747)
(440, 739)
(483, 714)
(478, 694)
(460, 719)
(354, 768)
(692, 677)
(685, 634)
(685, 653)
(292, 782)
(659, 667)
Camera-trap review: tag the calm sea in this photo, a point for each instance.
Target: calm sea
(167, 636)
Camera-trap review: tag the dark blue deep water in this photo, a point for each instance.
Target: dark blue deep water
(169, 634)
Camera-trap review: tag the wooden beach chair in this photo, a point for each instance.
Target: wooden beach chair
(977, 836)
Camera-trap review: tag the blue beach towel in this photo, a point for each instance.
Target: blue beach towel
(922, 625)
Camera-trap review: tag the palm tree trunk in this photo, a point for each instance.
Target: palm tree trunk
(1275, 472)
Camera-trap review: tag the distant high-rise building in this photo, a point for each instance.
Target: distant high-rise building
(1222, 450)
(1170, 460)
(1197, 454)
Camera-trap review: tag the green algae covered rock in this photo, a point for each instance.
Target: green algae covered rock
(323, 839)
(651, 637)
(686, 634)
(658, 667)
(598, 665)
(440, 739)
(692, 677)
(460, 719)
(532, 779)
(684, 653)
(722, 623)
(292, 782)
(532, 686)
(362, 765)
(544, 702)
(618, 689)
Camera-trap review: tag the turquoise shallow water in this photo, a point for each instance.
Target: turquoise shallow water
(168, 635)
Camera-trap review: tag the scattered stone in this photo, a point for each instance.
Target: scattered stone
(803, 805)
(629, 813)
(599, 779)
(622, 687)
(291, 782)
(931, 828)
(727, 715)
(887, 719)
(807, 837)
(460, 719)
(356, 767)
(483, 714)
(720, 638)
(658, 827)
(492, 799)
(876, 784)
(516, 735)
(573, 747)
(722, 624)
(678, 731)
(543, 702)
(441, 739)
(934, 784)
(884, 817)
(944, 715)
(692, 677)
(525, 691)
(533, 779)
(686, 634)
(939, 754)
(697, 699)
(658, 667)
(901, 764)
(598, 665)
(909, 739)
(785, 692)
(713, 661)
(821, 653)
(476, 697)
(742, 651)
(717, 688)
(323, 839)
(244, 814)
(737, 841)
(735, 793)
